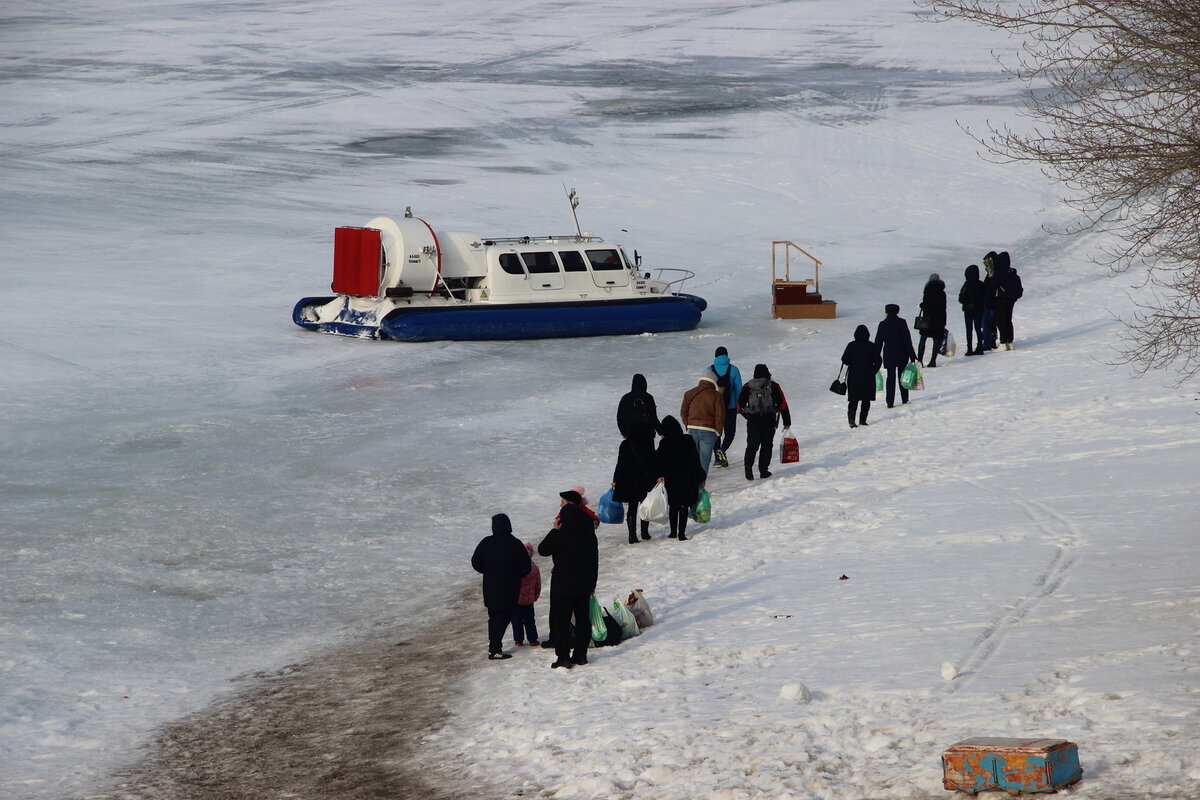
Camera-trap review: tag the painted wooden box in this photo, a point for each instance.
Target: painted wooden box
(986, 763)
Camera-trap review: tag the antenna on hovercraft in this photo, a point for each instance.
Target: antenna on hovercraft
(573, 199)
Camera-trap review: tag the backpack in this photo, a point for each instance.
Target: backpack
(1012, 286)
(760, 401)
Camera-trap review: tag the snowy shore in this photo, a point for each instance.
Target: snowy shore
(196, 492)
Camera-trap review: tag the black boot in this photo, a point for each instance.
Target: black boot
(850, 416)
(749, 474)
(645, 529)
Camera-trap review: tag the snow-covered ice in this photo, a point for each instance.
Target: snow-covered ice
(195, 490)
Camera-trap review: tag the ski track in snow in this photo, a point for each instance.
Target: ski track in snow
(1065, 536)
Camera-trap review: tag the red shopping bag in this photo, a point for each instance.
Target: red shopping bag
(789, 448)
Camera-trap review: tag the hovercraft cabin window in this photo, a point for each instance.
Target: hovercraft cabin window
(540, 262)
(572, 261)
(605, 259)
(511, 264)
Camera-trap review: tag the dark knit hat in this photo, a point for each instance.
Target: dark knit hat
(571, 496)
(761, 371)
(721, 351)
(501, 524)
(891, 308)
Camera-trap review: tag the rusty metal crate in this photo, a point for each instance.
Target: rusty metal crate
(1014, 765)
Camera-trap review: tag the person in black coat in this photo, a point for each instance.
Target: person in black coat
(633, 477)
(503, 560)
(862, 361)
(637, 414)
(680, 471)
(894, 341)
(1008, 292)
(970, 297)
(572, 544)
(933, 309)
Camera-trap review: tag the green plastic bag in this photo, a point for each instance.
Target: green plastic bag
(596, 617)
(879, 381)
(702, 510)
(908, 378)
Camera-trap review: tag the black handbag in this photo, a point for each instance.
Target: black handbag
(919, 323)
(838, 386)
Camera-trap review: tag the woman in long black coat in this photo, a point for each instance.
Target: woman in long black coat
(933, 309)
(679, 468)
(862, 361)
(633, 478)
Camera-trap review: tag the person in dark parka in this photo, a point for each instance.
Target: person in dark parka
(503, 561)
(633, 477)
(572, 544)
(862, 361)
(679, 469)
(970, 297)
(933, 309)
(1008, 292)
(894, 341)
(637, 413)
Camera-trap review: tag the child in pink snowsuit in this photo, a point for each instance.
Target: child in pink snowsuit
(531, 589)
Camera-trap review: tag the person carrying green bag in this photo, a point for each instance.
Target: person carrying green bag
(572, 544)
(895, 344)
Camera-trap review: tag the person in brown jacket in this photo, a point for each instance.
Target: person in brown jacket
(703, 414)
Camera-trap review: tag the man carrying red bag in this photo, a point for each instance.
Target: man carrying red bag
(762, 403)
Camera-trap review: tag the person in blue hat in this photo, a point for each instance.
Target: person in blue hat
(729, 384)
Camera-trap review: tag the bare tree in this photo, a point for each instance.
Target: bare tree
(1113, 90)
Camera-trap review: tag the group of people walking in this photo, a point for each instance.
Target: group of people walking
(680, 460)
(689, 445)
(987, 306)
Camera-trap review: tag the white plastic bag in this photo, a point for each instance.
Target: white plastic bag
(623, 615)
(948, 348)
(654, 508)
(640, 609)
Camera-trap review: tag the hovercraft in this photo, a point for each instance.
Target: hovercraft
(401, 279)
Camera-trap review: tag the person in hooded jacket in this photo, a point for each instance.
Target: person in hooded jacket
(703, 415)
(633, 477)
(990, 285)
(523, 622)
(762, 422)
(933, 309)
(862, 361)
(970, 297)
(679, 469)
(503, 561)
(637, 414)
(1008, 292)
(572, 545)
(894, 341)
(729, 384)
